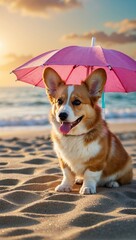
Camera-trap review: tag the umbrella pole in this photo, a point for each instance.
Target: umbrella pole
(93, 41)
(103, 105)
(103, 97)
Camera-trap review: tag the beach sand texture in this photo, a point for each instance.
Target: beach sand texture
(31, 209)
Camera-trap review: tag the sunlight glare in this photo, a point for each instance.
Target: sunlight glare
(1, 46)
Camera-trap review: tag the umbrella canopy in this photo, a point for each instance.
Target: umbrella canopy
(75, 63)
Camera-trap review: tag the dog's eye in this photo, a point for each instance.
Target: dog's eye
(60, 101)
(76, 102)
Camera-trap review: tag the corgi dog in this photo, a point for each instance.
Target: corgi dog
(86, 148)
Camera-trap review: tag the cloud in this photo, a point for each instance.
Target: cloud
(118, 38)
(124, 26)
(13, 61)
(126, 33)
(40, 7)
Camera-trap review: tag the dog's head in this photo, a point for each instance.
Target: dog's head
(74, 109)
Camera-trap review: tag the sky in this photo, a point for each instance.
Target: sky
(31, 27)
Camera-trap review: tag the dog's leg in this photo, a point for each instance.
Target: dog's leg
(90, 182)
(112, 184)
(67, 182)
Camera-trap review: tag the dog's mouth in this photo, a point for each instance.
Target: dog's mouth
(67, 126)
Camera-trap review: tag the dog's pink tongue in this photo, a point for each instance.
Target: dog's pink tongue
(65, 127)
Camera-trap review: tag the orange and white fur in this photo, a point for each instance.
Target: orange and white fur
(85, 146)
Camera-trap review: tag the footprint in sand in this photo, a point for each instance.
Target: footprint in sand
(26, 171)
(44, 148)
(89, 219)
(118, 196)
(3, 164)
(130, 211)
(10, 140)
(42, 179)
(18, 232)
(6, 206)
(49, 207)
(8, 182)
(2, 147)
(15, 148)
(103, 205)
(3, 151)
(24, 144)
(25, 233)
(65, 197)
(53, 170)
(37, 161)
(26, 197)
(50, 155)
(133, 155)
(134, 164)
(16, 221)
(130, 194)
(29, 150)
(33, 187)
(32, 153)
(129, 145)
(12, 155)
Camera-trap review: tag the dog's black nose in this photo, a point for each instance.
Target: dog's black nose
(63, 116)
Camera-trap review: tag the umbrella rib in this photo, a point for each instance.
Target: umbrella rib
(28, 73)
(38, 82)
(105, 60)
(87, 70)
(119, 79)
(71, 72)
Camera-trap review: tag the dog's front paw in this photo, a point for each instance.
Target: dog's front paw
(84, 190)
(112, 184)
(63, 188)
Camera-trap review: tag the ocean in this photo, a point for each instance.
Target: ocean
(29, 106)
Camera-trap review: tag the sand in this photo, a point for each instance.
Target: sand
(31, 209)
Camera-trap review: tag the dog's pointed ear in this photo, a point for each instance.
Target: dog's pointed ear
(95, 82)
(52, 81)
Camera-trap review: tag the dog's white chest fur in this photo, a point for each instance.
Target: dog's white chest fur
(75, 153)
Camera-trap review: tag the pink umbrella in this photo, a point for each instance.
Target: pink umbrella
(75, 63)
